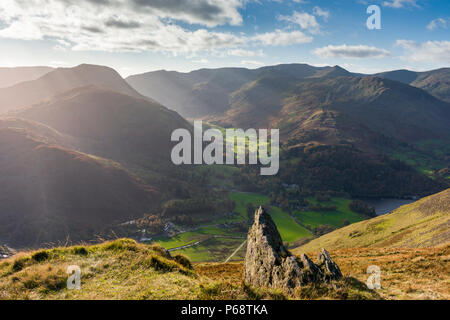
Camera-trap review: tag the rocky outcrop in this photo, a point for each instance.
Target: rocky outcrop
(330, 269)
(269, 264)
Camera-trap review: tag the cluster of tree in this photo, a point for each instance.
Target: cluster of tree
(362, 207)
(346, 170)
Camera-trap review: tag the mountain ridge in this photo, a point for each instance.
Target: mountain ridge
(60, 80)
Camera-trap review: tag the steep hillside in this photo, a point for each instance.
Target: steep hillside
(60, 80)
(360, 174)
(343, 105)
(109, 123)
(424, 223)
(343, 132)
(12, 76)
(328, 103)
(49, 193)
(436, 82)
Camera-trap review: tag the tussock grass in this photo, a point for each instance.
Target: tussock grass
(124, 269)
(115, 269)
(406, 273)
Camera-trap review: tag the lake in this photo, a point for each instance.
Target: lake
(384, 206)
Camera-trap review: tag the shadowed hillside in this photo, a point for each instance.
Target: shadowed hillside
(436, 82)
(50, 193)
(109, 123)
(207, 92)
(343, 107)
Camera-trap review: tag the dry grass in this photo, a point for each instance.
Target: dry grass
(124, 269)
(405, 273)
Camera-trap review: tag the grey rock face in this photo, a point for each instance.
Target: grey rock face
(269, 264)
(330, 268)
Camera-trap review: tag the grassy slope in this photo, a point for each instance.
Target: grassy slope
(406, 273)
(424, 223)
(124, 269)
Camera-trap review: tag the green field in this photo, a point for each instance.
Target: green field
(190, 237)
(427, 157)
(212, 248)
(242, 198)
(313, 219)
(289, 230)
(215, 249)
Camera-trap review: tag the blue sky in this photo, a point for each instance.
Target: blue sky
(135, 36)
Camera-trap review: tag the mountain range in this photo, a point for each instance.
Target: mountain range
(12, 76)
(68, 151)
(81, 149)
(393, 115)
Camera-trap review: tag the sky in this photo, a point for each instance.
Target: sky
(136, 36)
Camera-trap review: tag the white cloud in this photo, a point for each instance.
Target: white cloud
(122, 25)
(281, 38)
(252, 63)
(438, 23)
(400, 3)
(325, 14)
(136, 26)
(305, 20)
(345, 51)
(245, 53)
(430, 51)
(201, 61)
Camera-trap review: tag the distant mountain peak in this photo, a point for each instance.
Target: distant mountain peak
(61, 80)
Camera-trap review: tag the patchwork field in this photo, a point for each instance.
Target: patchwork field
(215, 249)
(213, 243)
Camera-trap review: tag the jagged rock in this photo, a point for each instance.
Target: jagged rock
(330, 268)
(269, 264)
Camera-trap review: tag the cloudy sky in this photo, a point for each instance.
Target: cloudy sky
(135, 36)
